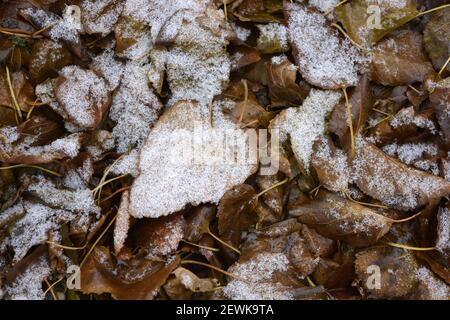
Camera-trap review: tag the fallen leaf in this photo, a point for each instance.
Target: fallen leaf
(137, 279)
(331, 165)
(361, 101)
(392, 182)
(400, 59)
(341, 219)
(436, 38)
(281, 80)
(178, 178)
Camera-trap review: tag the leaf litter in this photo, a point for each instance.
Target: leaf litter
(116, 118)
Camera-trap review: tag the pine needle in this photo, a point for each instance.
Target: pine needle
(407, 219)
(365, 203)
(214, 268)
(13, 95)
(272, 187)
(408, 247)
(65, 247)
(310, 282)
(211, 112)
(223, 242)
(415, 90)
(100, 186)
(98, 240)
(50, 288)
(244, 81)
(200, 246)
(443, 68)
(347, 36)
(350, 124)
(31, 166)
(432, 10)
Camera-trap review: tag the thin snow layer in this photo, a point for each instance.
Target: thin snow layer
(408, 152)
(436, 288)
(323, 5)
(28, 285)
(272, 35)
(107, 66)
(157, 15)
(122, 224)
(33, 228)
(306, 124)
(392, 182)
(100, 16)
(184, 161)
(198, 65)
(443, 232)
(134, 107)
(257, 273)
(82, 94)
(325, 59)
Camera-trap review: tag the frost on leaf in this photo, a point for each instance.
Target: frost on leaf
(305, 124)
(83, 97)
(181, 161)
(338, 218)
(197, 63)
(28, 285)
(134, 107)
(392, 182)
(325, 60)
(18, 148)
(100, 16)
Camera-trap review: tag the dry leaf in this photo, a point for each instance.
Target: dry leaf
(341, 219)
(400, 59)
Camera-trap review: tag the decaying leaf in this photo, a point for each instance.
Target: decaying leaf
(368, 21)
(194, 283)
(135, 279)
(331, 165)
(83, 97)
(361, 101)
(341, 219)
(281, 80)
(436, 38)
(392, 182)
(400, 59)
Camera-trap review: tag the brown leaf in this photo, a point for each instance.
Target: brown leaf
(194, 283)
(122, 224)
(43, 130)
(198, 221)
(236, 213)
(361, 101)
(436, 38)
(356, 16)
(248, 113)
(262, 11)
(46, 59)
(341, 219)
(331, 165)
(400, 59)
(83, 96)
(158, 237)
(397, 267)
(242, 56)
(23, 90)
(392, 182)
(272, 198)
(283, 89)
(137, 279)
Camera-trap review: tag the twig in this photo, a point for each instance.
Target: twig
(350, 124)
(31, 166)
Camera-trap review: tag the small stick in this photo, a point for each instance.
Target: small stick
(407, 247)
(350, 124)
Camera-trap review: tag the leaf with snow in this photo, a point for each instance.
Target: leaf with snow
(392, 182)
(305, 124)
(324, 59)
(400, 59)
(341, 219)
(173, 173)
